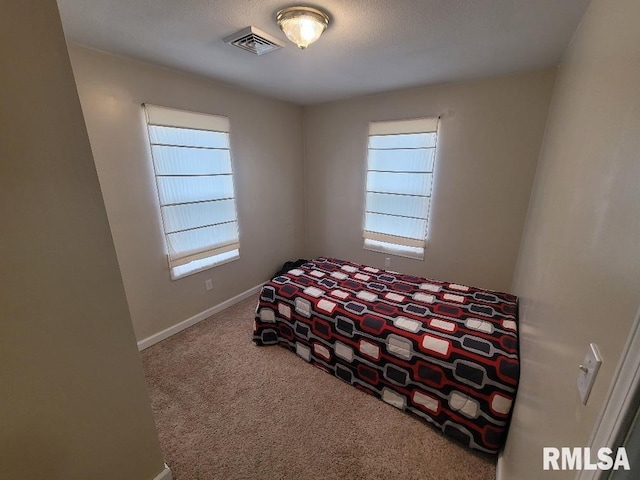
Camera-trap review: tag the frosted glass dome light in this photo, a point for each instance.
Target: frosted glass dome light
(302, 25)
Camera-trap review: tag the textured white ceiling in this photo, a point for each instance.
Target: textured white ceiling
(370, 45)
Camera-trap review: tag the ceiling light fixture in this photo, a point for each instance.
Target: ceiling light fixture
(302, 25)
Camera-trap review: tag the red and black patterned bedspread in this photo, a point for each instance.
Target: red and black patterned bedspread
(444, 352)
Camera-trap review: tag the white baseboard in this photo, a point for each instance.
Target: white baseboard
(499, 474)
(164, 474)
(157, 337)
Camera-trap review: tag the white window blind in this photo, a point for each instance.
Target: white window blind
(192, 165)
(400, 163)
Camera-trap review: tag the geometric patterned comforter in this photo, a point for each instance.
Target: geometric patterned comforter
(443, 352)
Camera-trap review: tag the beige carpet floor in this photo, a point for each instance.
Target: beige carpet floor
(226, 409)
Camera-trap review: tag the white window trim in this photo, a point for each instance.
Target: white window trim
(373, 241)
(396, 250)
(171, 117)
(208, 263)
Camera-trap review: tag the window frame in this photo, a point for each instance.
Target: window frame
(374, 241)
(155, 115)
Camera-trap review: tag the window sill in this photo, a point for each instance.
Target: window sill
(204, 264)
(415, 253)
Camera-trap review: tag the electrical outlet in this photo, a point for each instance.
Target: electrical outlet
(387, 262)
(208, 284)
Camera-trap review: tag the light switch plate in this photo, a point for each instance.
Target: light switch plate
(588, 371)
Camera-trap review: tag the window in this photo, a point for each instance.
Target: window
(399, 179)
(194, 179)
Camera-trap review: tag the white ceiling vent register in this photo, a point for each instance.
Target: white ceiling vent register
(254, 40)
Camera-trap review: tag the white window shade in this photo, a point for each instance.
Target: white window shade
(415, 125)
(194, 178)
(401, 156)
(172, 117)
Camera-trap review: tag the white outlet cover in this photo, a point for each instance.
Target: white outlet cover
(587, 377)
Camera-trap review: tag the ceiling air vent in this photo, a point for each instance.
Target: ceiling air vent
(255, 41)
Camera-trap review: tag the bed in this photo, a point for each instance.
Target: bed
(444, 352)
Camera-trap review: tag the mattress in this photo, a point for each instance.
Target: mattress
(443, 352)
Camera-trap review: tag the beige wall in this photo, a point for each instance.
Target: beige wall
(73, 401)
(578, 273)
(488, 145)
(266, 144)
